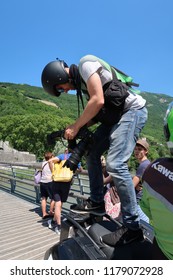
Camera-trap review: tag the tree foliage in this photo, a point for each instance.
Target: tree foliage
(29, 133)
(27, 118)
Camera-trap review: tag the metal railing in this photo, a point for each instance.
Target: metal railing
(18, 179)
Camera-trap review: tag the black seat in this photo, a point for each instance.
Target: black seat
(139, 250)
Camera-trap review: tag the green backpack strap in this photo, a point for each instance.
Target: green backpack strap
(124, 77)
(121, 76)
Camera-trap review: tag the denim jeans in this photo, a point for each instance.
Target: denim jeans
(120, 140)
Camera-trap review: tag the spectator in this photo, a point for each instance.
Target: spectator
(60, 193)
(157, 199)
(122, 115)
(140, 153)
(46, 186)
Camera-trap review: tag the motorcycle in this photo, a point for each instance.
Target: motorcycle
(81, 239)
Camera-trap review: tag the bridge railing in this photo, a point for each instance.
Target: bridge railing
(18, 179)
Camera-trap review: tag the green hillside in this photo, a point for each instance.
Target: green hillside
(157, 105)
(28, 114)
(17, 99)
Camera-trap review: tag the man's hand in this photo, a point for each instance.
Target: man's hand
(71, 131)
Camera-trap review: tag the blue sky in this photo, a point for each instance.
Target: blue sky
(134, 36)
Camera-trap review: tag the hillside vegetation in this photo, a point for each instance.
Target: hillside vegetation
(28, 114)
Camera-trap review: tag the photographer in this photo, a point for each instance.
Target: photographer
(122, 115)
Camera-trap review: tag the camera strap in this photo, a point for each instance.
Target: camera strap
(76, 80)
(79, 98)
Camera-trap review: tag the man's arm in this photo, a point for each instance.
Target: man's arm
(51, 162)
(136, 181)
(54, 160)
(107, 180)
(93, 106)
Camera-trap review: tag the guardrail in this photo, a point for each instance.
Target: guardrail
(18, 179)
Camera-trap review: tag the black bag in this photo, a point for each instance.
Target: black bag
(115, 94)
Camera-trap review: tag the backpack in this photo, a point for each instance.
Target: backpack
(125, 79)
(38, 174)
(118, 75)
(115, 93)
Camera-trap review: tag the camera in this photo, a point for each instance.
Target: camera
(77, 149)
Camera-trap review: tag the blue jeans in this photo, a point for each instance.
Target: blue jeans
(120, 140)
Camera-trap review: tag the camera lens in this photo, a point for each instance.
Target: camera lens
(77, 154)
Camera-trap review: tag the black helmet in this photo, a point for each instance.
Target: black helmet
(54, 74)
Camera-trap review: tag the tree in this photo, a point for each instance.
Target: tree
(29, 133)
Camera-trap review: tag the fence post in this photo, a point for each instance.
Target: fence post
(80, 200)
(13, 185)
(80, 183)
(13, 181)
(37, 192)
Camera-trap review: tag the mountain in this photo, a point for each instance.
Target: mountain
(157, 105)
(25, 100)
(22, 99)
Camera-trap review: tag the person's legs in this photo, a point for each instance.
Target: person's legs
(44, 196)
(120, 139)
(60, 194)
(43, 206)
(100, 145)
(122, 142)
(52, 224)
(123, 138)
(57, 214)
(52, 206)
(55, 223)
(52, 202)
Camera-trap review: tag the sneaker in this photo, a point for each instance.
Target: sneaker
(122, 236)
(51, 224)
(112, 238)
(88, 206)
(57, 230)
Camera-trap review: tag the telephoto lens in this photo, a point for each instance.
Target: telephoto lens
(76, 155)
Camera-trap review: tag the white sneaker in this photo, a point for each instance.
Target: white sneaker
(58, 231)
(51, 223)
